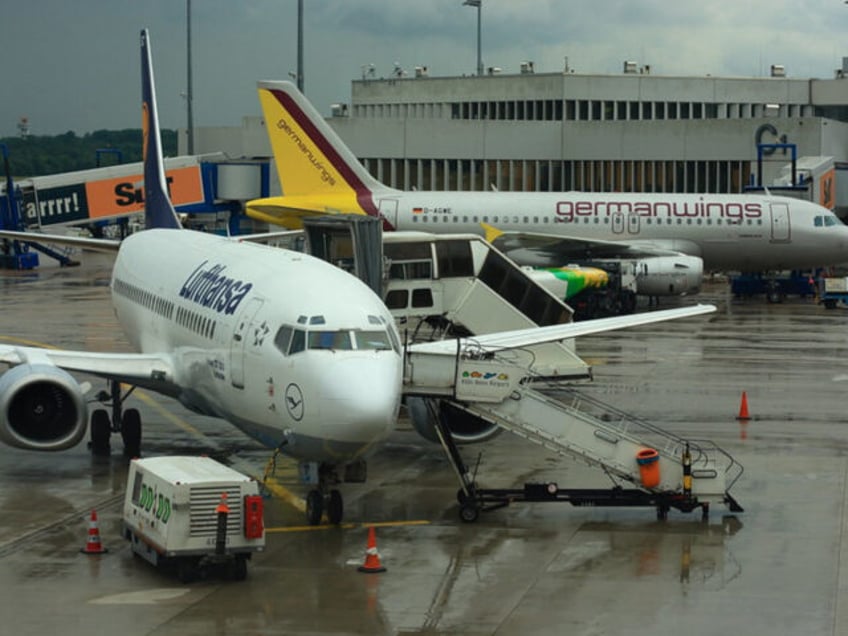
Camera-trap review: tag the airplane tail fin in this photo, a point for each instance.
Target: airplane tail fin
(158, 210)
(313, 163)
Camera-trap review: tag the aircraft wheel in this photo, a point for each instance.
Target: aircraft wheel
(101, 431)
(335, 507)
(314, 507)
(469, 513)
(131, 433)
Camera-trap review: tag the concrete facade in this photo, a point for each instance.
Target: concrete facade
(566, 131)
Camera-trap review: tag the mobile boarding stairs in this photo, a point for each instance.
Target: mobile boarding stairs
(461, 283)
(665, 471)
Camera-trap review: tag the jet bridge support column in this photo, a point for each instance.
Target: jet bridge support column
(353, 243)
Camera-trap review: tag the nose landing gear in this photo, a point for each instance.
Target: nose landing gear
(317, 502)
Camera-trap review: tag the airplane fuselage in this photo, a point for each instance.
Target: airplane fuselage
(729, 232)
(286, 347)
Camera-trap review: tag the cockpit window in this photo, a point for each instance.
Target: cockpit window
(283, 337)
(298, 341)
(290, 340)
(378, 340)
(338, 340)
(825, 221)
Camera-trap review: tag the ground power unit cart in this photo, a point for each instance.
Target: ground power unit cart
(193, 513)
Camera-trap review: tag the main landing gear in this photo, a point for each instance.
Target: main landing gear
(126, 422)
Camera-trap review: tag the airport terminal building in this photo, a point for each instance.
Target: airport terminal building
(634, 131)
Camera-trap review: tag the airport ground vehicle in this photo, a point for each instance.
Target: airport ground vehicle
(835, 292)
(776, 287)
(193, 513)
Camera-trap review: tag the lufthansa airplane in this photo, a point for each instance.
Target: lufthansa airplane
(295, 352)
(674, 237)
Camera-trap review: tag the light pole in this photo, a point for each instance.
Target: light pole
(189, 96)
(478, 4)
(300, 45)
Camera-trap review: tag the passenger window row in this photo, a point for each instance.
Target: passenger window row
(191, 320)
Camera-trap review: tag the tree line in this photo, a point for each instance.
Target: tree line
(39, 155)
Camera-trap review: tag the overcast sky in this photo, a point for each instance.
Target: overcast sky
(74, 65)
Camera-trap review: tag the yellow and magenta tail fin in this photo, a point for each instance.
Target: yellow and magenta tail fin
(317, 170)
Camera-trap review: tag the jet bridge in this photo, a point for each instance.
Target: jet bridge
(499, 389)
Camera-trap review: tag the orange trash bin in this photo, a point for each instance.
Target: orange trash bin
(649, 467)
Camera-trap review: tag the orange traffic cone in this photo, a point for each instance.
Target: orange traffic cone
(372, 558)
(743, 408)
(93, 545)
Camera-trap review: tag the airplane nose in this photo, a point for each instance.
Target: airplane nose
(365, 397)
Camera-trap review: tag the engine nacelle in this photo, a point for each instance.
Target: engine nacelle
(42, 407)
(464, 427)
(669, 275)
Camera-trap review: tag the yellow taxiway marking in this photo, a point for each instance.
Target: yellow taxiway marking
(174, 419)
(281, 492)
(350, 526)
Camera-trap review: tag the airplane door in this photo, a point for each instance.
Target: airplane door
(389, 211)
(633, 223)
(239, 342)
(617, 222)
(780, 227)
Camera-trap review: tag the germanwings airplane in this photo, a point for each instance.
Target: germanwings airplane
(673, 237)
(295, 352)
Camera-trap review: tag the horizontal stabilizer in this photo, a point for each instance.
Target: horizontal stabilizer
(290, 211)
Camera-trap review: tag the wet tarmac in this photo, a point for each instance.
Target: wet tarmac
(544, 568)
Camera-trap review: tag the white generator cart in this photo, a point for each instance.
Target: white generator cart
(193, 513)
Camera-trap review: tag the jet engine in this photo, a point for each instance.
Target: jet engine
(41, 408)
(464, 427)
(669, 275)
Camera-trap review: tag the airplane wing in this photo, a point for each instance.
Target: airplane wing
(555, 250)
(151, 371)
(539, 335)
(94, 244)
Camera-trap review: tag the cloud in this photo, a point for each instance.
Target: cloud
(76, 65)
